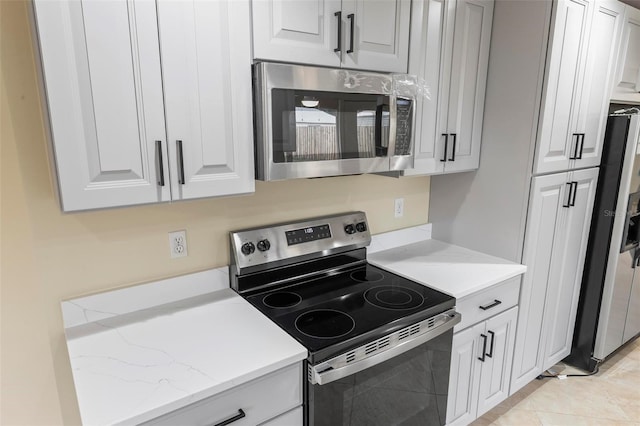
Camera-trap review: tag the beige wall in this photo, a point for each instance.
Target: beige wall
(47, 256)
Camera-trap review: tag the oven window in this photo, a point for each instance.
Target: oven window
(321, 126)
(410, 389)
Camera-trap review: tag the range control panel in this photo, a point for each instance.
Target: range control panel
(259, 246)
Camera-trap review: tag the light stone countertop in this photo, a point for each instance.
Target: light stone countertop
(134, 367)
(144, 351)
(451, 269)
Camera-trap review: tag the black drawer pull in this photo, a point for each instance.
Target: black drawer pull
(484, 347)
(238, 416)
(495, 303)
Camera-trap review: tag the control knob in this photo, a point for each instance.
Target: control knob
(350, 229)
(361, 226)
(247, 248)
(264, 245)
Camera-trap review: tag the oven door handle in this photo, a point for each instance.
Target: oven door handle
(327, 376)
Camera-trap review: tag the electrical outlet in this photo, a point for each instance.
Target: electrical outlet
(398, 209)
(178, 243)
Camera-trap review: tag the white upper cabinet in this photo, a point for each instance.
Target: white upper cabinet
(376, 34)
(297, 31)
(104, 71)
(206, 69)
(450, 57)
(101, 69)
(358, 34)
(627, 83)
(581, 67)
(469, 64)
(606, 29)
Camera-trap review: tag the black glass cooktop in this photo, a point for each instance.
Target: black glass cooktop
(343, 310)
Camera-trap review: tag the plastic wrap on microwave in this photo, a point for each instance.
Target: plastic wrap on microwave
(353, 80)
(410, 86)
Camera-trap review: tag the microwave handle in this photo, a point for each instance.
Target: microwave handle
(381, 151)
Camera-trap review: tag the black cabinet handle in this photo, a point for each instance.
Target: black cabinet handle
(493, 335)
(180, 163)
(575, 150)
(581, 139)
(495, 303)
(339, 15)
(575, 191)
(230, 420)
(351, 17)
(446, 145)
(453, 149)
(159, 163)
(484, 347)
(569, 197)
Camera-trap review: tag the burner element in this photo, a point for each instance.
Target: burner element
(282, 299)
(392, 297)
(325, 323)
(366, 275)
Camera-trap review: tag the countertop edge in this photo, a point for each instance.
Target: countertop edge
(213, 391)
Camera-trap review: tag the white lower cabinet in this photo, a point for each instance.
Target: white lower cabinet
(482, 354)
(274, 400)
(555, 247)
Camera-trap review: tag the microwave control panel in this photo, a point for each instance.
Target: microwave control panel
(404, 121)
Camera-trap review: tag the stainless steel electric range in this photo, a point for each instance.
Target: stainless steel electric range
(379, 344)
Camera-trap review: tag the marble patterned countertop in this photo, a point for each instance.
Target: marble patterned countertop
(140, 352)
(136, 366)
(451, 269)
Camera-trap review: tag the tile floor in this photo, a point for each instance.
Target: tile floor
(610, 397)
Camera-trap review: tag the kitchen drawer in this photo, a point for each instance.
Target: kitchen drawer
(506, 293)
(292, 418)
(260, 400)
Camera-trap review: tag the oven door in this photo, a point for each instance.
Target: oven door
(409, 388)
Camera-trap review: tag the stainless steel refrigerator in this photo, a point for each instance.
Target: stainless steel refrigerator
(609, 305)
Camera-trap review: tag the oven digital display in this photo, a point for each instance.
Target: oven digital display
(310, 233)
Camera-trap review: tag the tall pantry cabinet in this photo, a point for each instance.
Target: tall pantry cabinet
(141, 101)
(551, 71)
(579, 81)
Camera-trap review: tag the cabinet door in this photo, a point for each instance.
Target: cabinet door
(468, 83)
(604, 37)
(496, 370)
(206, 66)
(462, 399)
(557, 138)
(567, 262)
(303, 31)
(101, 68)
(380, 37)
(432, 42)
(548, 193)
(628, 70)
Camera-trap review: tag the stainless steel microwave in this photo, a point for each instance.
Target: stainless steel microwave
(314, 122)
